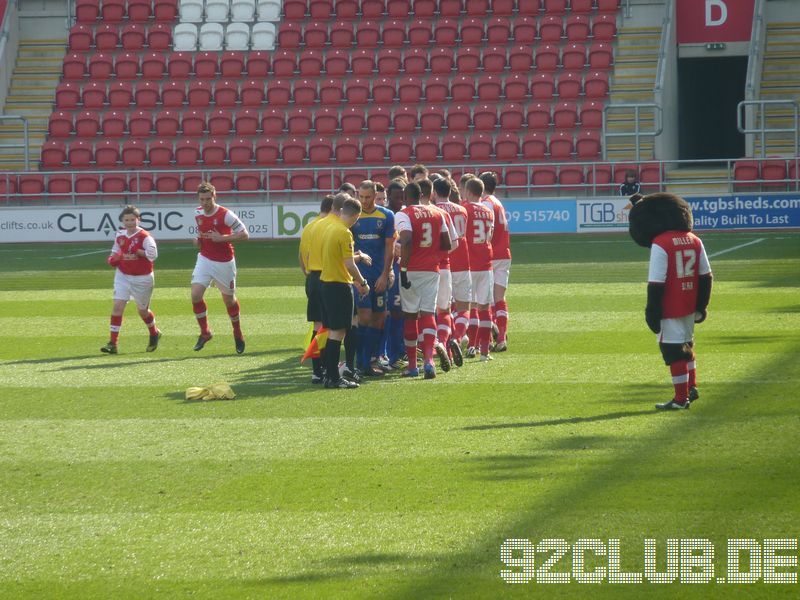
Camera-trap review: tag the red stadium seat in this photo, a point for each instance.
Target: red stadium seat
(569, 86)
(284, 63)
(168, 183)
(87, 124)
(410, 90)
(432, 119)
(426, 148)
(346, 9)
(601, 56)
(154, 65)
(368, 35)
(267, 152)
(389, 61)
(101, 66)
(191, 181)
(599, 177)
(54, 154)
(273, 121)
(516, 87)
(379, 119)
(220, 122)
(139, 10)
(246, 122)
(542, 87)
(592, 114)
(362, 62)
(106, 37)
(225, 93)
(337, 62)
(581, 6)
(31, 185)
(774, 172)
(205, 65)
(140, 123)
(446, 32)
(450, 8)
(587, 145)
(555, 7)
(295, 10)
(231, 65)
(320, 150)
(180, 65)
(570, 177)
(68, 95)
(565, 115)
(394, 34)
(547, 58)
(240, 152)
(302, 180)
(525, 30)
(293, 151)
(596, 85)
(477, 8)
(160, 153)
(342, 34)
(544, 176)
(93, 95)
(80, 154)
(331, 92)
(372, 9)
(459, 117)
(454, 148)
(538, 116)
(463, 88)
(114, 183)
(489, 88)
(133, 37)
(214, 152)
(146, 94)
(398, 9)
(58, 184)
(193, 123)
(494, 59)
(278, 92)
(480, 147)
(506, 146)
(320, 9)
(252, 93)
(199, 95)
(174, 94)
(258, 64)
(468, 59)
(529, 7)
(484, 117)
(346, 150)
(471, 31)
(167, 123)
(60, 124)
(384, 90)
(441, 60)
(745, 171)
(127, 66)
(504, 8)
(315, 34)
(574, 57)
(604, 28)
(352, 120)
(650, 173)
(437, 89)
(299, 121)
(248, 181)
(561, 145)
(374, 149)
(611, 6)
(326, 120)
(512, 117)
(87, 11)
(357, 91)
(113, 11)
(420, 33)
(621, 169)
(576, 28)
(159, 36)
(405, 119)
(87, 184)
(165, 10)
(520, 59)
(400, 150)
(309, 63)
(133, 154)
(187, 153)
(534, 146)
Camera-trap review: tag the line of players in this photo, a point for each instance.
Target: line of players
(429, 260)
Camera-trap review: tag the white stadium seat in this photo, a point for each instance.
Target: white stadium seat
(243, 11)
(269, 10)
(211, 36)
(184, 39)
(217, 11)
(263, 36)
(191, 11)
(237, 36)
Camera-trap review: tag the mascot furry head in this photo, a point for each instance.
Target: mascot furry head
(654, 214)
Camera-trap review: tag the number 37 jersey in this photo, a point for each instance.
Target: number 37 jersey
(678, 259)
(480, 222)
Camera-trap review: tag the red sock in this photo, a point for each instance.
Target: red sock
(233, 313)
(484, 330)
(692, 366)
(427, 323)
(680, 379)
(410, 340)
(460, 325)
(150, 321)
(116, 324)
(501, 317)
(200, 314)
(445, 327)
(472, 330)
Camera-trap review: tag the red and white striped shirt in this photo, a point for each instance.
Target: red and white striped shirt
(127, 245)
(224, 222)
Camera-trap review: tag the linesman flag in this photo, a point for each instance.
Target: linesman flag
(316, 345)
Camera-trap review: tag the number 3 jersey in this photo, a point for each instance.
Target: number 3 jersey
(678, 259)
(480, 222)
(426, 224)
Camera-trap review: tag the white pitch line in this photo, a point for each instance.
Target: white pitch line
(712, 255)
(81, 254)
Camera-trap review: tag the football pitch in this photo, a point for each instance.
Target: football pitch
(112, 485)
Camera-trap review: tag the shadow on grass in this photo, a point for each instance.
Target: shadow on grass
(551, 422)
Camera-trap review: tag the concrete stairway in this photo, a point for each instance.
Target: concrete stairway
(33, 84)
(635, 64)
(780, 80)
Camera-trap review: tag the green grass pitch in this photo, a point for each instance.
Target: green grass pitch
(112, 486)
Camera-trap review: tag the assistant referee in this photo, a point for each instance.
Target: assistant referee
(339, 274)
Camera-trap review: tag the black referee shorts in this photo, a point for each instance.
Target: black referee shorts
(313, 293)
(337, 305)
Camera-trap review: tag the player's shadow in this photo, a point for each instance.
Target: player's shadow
(564, 421)
(776, 337)
(116, 364)
(42, 361)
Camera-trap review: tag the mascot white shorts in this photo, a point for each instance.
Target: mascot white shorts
(677, 331)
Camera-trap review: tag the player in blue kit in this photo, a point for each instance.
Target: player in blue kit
(394, 346)
(374, 235)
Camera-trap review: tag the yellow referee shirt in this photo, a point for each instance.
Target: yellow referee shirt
(314, 232)
(305, 240)
(337, 246)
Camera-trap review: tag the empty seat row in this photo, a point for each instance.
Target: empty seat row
(299, 10)
(234, 36)
(351, 120)
(132, 37)
(471, 31)
(767, 172)
(221, 11)
(115, 11)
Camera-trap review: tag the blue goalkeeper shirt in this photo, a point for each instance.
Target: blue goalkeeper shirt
(370, 234)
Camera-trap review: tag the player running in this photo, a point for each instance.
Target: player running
(217, 229)
(423, 236)
(133, 254)
(501, 258)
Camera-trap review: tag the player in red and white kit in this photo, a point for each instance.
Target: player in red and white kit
(454, 279)
(423, 236)
(678, 292)
(217, 228)
(480, 223)
(501, 258)
(133, 254)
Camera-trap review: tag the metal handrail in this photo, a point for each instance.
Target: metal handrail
(756, 51)
(638, 132)
(760, 128)
(667, 35)
(25, 142)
